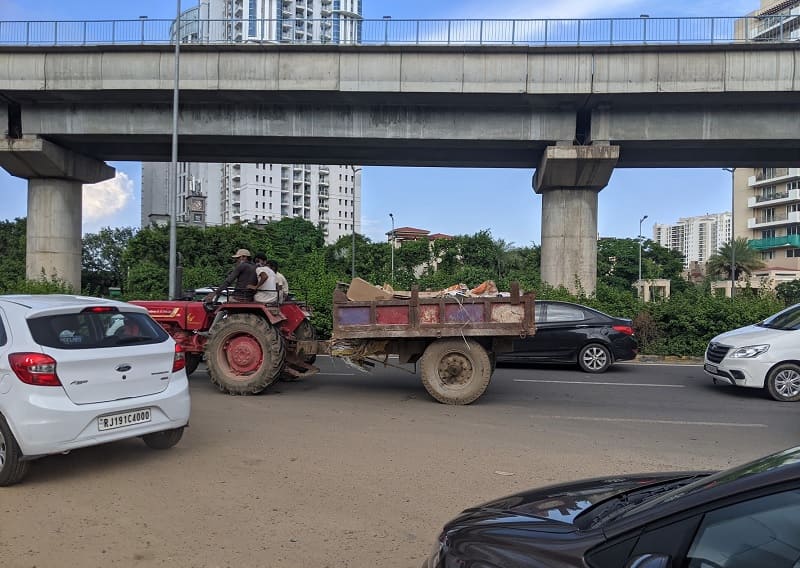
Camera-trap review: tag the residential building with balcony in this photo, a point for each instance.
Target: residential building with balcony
(770, 203)
(696, 238)
(774, 19)
(221, 194)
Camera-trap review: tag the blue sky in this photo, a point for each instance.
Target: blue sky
(454, 201)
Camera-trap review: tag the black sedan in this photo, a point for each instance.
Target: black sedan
(747, 516)
(570, 333)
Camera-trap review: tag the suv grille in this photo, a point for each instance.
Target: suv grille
(716, 352)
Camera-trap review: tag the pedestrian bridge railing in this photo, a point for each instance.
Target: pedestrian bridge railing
(337, 29)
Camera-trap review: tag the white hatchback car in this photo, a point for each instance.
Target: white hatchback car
(78, 371)
(763, 355)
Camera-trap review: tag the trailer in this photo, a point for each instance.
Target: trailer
(454, 340)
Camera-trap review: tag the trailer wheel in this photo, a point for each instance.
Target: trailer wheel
(455, 371)
(245, 354)
(192, 361)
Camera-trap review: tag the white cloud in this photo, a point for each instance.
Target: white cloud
(103, 200)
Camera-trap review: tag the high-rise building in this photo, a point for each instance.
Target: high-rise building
(766, 201)
(221, 194)
(696, 238)
(774, 20)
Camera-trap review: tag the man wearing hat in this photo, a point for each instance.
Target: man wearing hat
(244, 275)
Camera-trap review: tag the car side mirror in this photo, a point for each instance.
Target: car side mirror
(650, 561)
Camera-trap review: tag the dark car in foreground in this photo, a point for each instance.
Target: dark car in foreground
(574, 334)
(747, 516)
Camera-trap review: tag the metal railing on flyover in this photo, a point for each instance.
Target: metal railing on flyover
(551, 32)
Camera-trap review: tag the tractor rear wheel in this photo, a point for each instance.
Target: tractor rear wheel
(245, 354)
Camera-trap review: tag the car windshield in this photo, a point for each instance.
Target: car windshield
(770, 463)
(610, 508)
(788, 319)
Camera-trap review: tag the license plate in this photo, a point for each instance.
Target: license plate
(711, 368)
(123, 419)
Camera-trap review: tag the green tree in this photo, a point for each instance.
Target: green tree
(746, 259)
(102, 260)
(788, 292)
(12, 255)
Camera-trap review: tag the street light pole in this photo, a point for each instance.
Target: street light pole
(353, 222)
(733, 234)
(392, 216)
(640, 247)
(173, 197)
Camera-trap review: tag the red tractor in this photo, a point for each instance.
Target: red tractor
(247, 346)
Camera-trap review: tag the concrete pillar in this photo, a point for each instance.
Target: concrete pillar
(569, 179)
(53, 247)
(55, 177)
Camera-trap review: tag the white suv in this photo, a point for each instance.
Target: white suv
(78, 371)
(763, 355)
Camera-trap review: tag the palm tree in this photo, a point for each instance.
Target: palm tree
(746, 259)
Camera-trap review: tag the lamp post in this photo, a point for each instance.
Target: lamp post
(392, 217)
(640, 247)
(353, 221)
(733, 234)
(173, 198)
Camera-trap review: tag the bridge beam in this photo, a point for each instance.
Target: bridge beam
(569, 179)
(55, 177)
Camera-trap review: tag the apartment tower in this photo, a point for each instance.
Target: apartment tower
(221, 194)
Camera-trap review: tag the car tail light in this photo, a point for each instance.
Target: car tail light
(626, 329)
(179, 362)
(35, 369)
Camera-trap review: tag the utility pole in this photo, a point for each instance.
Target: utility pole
(392, 216)
(173, 198)
(640, 247)
(733, 234)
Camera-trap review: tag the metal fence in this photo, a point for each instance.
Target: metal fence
(615, 31)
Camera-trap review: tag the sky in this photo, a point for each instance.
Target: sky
(441, 200)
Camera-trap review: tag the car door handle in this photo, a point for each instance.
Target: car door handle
(582, 325)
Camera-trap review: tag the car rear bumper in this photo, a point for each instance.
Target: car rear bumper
(44, 421)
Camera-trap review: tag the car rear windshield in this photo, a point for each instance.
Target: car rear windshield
(92, 330)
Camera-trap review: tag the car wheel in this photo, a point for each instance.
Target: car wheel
(594, 358)
(783, 382)
(12, 469)
(163, 440)
(192, 361)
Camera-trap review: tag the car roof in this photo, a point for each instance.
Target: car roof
(42, 304)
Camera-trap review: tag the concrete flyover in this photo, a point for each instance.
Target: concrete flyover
(574, 113)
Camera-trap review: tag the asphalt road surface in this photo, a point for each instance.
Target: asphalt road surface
(347, 469)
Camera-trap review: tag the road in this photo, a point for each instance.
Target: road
(346, 469)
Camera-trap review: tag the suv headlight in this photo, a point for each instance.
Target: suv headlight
(749, 351)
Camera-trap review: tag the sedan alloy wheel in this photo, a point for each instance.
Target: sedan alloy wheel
(594, 358)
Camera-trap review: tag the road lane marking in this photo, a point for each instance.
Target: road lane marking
(650, 421)
(599, 383)
(647, 364)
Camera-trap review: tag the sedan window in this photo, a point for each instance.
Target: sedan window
(758, 532)
(562, 313)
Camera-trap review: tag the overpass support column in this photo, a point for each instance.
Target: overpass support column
(55, 178)
(569, 179)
